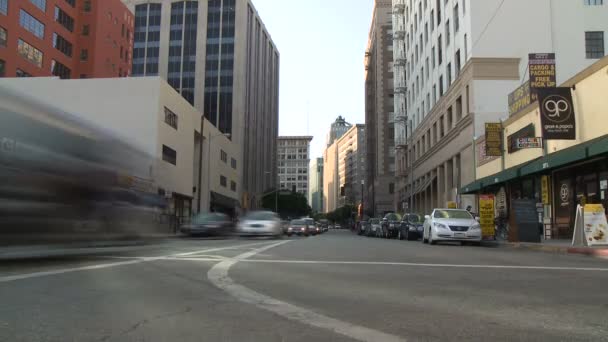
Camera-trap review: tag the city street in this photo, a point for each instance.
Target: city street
(333, 287)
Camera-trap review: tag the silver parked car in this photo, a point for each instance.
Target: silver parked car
(260, 223)
(451, 225)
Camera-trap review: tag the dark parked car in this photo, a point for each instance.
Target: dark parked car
(209, 224)
(298, 227)
(390, 225)
(411, 227)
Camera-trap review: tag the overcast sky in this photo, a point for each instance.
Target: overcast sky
(322, 45)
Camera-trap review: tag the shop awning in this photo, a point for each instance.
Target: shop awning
(553, 160)
(599, 147)
(471, 188)
(501, 177)
(223, 201)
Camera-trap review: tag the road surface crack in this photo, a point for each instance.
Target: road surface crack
(138, 324)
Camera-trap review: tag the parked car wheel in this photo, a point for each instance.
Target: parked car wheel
(424, 239)
(431, 241)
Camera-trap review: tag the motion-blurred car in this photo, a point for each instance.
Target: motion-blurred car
(260, 223)
(337, 226)
(208, 224)
(298, 227)
(451, 225)
(312, 226)
(411, 228)
(390, 225)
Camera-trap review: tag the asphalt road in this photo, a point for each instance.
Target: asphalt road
(333, 287)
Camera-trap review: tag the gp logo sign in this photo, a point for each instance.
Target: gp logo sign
(557, 113)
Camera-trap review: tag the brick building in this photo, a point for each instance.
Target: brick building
(65, 38)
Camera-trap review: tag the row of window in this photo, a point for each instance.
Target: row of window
(292, 170)
(224, 183)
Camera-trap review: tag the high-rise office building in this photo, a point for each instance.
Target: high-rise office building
(379, 113)
(220, 57)
(455, 64)
(344, 170)
(88, 39)
(315, 185)
(338, 128)
(294, 159)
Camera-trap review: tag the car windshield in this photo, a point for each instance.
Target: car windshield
(298, 223)
(414, 218)
(452, 214)
(260, 216)
(202, 218)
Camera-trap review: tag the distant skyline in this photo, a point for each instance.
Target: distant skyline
(322, 45)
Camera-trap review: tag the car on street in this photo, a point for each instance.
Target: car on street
(451, 225)
(312, 226)
(260, 223)
(337, 226)
(298, 227)
(374, 227)
(208, 224)
(390, 225)
(411, 228)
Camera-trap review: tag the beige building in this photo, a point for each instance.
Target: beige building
(151, 116)
(457, 62)
(574, 171)
(344, 170)
(294, 160)
(379, 113)
(221, 58)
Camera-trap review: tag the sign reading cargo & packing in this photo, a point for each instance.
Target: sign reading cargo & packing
(486, 216)
(557, 113)
(542, 70)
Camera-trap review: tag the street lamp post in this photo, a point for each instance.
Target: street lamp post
(227, 135)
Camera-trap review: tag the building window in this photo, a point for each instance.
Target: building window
(29, 53)
(594, 2)
(41, 4)
(224, 156)
(64, 19)
(594, 44)
(3, 37)
(440, 86)
(58, 69)
(223, 181)
(438, 7)
(433, 57)
(439, 50)
(86, 6)
(31, 24)
(233, 186)
(448, 73)
(457, 63)
(426, 32)
(84, 54)
(62, 45)
(169, 155)
(71, 2)
(466, 46)
(2, 68)
(432, 20)
(86, 29)
(456, 19)
(21, 73)
(4, 7)
(233, 163)
(447, 32)
(170, 118)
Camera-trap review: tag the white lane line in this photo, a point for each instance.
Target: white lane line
(114, 264)
(218, 275)
(549, 268)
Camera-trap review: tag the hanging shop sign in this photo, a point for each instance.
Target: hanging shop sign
(493, 139)
(526, 132)
(557, 113)
(520, 98)
(486, 216)
(534, 142)
(541, 67)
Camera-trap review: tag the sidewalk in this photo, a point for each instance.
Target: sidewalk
(556, 246)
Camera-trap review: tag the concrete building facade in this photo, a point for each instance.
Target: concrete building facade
(344, 166)
(458, 61)
(294, 160)
(149, 115)
(220, 57)
(315, 185)
(379, 112)
(65, 39)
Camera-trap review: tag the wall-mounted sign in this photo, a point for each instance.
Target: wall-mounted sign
(493, 139)
(526, 132)
(482, 158)
(557, 113)
(486, 216)
(520, 98)
(542, 70)
(534, 142)
(544, 185)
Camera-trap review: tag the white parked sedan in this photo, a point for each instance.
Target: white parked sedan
(451, 225)
(260, 223)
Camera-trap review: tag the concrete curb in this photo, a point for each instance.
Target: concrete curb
(588, 251)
